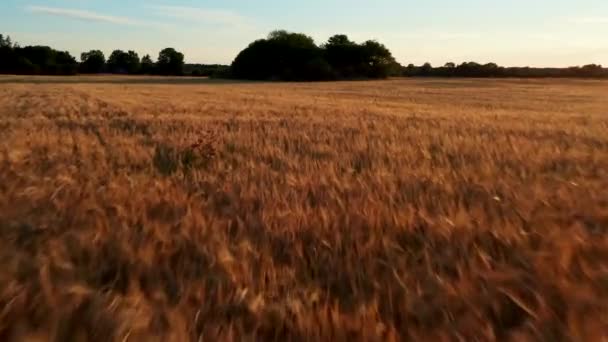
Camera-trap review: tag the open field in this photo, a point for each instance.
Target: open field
(402, 209)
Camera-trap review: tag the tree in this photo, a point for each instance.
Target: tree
(44, 60)
(289, 56)
(282, 56)
(290, 38)
(116, 62)
(348, 59)
(147, 65)
(133, 62)
(39, 55)
(170, 62)
(591, 70)
(339, 39)
(7, 55)
(92, 62)
(121, 62)
(343, 55)
(65, 63)
(5, 42)
(426, 69)
(378, 60)
(255, 62)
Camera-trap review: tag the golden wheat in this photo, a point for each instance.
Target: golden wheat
(160, 209)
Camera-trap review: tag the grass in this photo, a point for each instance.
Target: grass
(394, 210)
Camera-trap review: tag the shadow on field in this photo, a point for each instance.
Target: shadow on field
(111, 79)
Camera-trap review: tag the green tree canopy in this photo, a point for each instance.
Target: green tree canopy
(121, 62)
(5, 42)
(170, 62)
(282, 56)
(92, 62)
(147, 65)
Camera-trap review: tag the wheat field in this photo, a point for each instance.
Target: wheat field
(157, 209)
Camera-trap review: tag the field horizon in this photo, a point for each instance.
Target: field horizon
(108, 78)
(164, 209)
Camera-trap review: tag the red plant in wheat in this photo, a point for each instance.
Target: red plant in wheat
(201, 152)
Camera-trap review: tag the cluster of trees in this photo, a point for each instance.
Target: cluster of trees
(295, 57)
(15, 59)
(43, 60)
(472, 69)
(169, 62)
(281, 56)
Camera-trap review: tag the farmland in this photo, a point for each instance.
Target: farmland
(180, 209)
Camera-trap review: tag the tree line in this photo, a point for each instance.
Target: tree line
(472, 69)
(169, 62)
(282, 55)
(15, 59)
(44, 60)
(207, 70)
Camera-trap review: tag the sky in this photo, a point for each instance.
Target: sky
(556, 33)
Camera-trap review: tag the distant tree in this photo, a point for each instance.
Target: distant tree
(468, 69)
(378, 60)
(255, 62)
(343, 55)
(491, 70)
(147, 65)
(92, 62)
(65, 63)
(288, 56)
(5, 42)
(473, 69)
(116, 62)
(591, 70)
(44, 60)
(410, 70)
(426, 69)
(282, 56)
(339, 39)
(121, 62)
(134, 63)
(448, 70)
(170, 62)
(7, 55)
(42, 56)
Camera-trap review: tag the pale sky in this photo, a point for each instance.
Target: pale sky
(507, 32)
